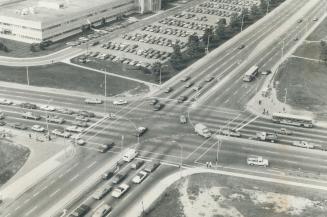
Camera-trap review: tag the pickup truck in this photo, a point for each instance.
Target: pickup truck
(264, 136)
(257, 161)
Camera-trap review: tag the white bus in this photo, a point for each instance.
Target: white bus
(251, 73)
(294, 120)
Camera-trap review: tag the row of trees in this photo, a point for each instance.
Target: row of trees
(213, 37)
(3, 47)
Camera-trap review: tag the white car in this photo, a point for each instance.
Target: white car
(5, 102)
(61, 133)
(30, 115)
(81, 118)
(303, 144)
(93, 101)
(257, 161)
(37, 128)
(47, 108)
(65, 111)
(139, 177)
(102, 211)
(120, 102)
(75, 129)
(120, 190)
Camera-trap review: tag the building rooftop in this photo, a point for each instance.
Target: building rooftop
(47, 10)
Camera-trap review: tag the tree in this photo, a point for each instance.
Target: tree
(194, 46)
(156, 67)
(220, 33)
(255, 13)
(235, 22)
(263, 6)
(323, 51)
(3, 47)
(207, 36)
(33, 47)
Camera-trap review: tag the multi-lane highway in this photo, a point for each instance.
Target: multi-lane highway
(173, 142)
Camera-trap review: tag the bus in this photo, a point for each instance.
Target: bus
(251, 73)
(294, 120)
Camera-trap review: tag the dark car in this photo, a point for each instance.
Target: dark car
(18, 126)
(81, 210)
(2, 123)
(181, 99)
(153, 101)
(151, 166)
(241, 47)
(86, 114)
(105, 147)
(119, 177)
(109, 173)
(158, 107)
(28, 105)
(137, 164)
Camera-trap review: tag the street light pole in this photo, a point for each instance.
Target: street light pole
(242, 22)
(105, 92)
(28, 77)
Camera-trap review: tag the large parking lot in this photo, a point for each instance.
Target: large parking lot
(154, 42)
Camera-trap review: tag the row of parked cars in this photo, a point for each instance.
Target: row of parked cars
(113, 183)
(234, 8)
(166, 31)
(185, 24)
(218, 12)
(238, 2)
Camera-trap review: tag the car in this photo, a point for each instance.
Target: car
(185, 78)
(137, 164)
(5, 102)
(47, 108)
(102, 191)
(168, 90)
(140, 131)
(81, 118)
(86, 113)
(119, 177)
(303, 144)
(153, 101)
(102, 211)
(257, 161)
(82, 210)
(37, 128)
(296, 39)
(181, 99)
(54, 119)
(120, 102)
(61, 133)
(2, 115)
(208, 78)
(241, 47)
(105, 147)
(315, 19)
(109, 173)
(74, 129)
(28, 105)
(120, 190)
(182, 119)
(299, 20)
(78, 141)
(151, 166)
(140, 176)
(284, 131)
(2, 123)
(188, 84)
(30, 115)
(233, 133)
(196, 88)
(266, 72)
(80, 123)
(93, 101)
(17, 125)
(158, 107)
(65, 111)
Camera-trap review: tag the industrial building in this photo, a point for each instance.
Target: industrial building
(34, 21)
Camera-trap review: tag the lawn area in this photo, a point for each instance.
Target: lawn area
(305, 81)
(64, 76)
(319, 33)
(309, 50)
(12, 158)
(211, 195)
(127, 70)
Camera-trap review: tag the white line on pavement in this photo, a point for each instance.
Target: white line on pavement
(30, 211)
(75, 177)
(91, 165)
(54, 193)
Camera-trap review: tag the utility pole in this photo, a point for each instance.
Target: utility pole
(268, 2)
(207, 48)
(160, 77)
(242, 22)
(285, 96)
(283, 45)
(28, 77)
(105, 92)
(122, 144)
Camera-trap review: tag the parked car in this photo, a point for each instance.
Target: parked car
(102, 211)
(17, 125)
(30, 115)
(65, 111)
(151, 166)
(158, 107)
(82, 210)
(80, 123)
(93, 101)
(119, 177)
(28, 105)
(181, 99)
(86, 113)
(5, 102)
(54, 119)
(140, 131)
(47, 108)
(81, 118)
(140, 176)
(109, 173)
(102, 191)
(120, 190)
(182, 119)
(105, 147)
(61, 133)
(74, 129)
(137, 164)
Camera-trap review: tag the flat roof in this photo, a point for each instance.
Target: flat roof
(35, 12)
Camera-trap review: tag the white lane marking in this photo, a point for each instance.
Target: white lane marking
(30, 211)
(75, 177)
(37, 193)
(7, 215)
(26, 201)
(54, 193)
(91, 165)
(255, 118)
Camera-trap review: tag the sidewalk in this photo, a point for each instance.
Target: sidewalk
(152, 195)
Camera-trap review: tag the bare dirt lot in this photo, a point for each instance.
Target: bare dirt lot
(210, 195)
(12, 158)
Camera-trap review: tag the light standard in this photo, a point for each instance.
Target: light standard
(242, 21)
(27, 76)
(105, 91)
(160, 73)
(181, 156)
(47, 119)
